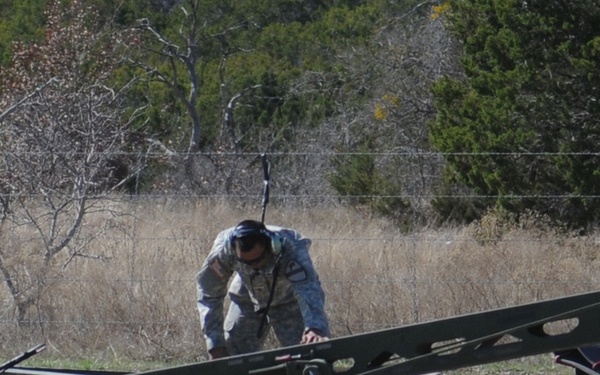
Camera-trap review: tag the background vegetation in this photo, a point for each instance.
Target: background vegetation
(491, 100)
(527, 100)
(133, 297)
(401, 120)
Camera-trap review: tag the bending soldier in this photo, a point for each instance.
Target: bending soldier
(274, 285)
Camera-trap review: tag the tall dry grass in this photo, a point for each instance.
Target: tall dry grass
(134, 296)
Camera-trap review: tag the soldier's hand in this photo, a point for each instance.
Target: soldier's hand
(312, 335)
(218, 352)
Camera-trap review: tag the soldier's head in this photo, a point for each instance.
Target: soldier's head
(251, 242)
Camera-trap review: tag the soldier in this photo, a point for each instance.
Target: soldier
(274, 284)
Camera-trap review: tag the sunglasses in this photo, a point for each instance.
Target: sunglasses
(255, 261)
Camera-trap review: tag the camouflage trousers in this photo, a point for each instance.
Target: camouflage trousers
(242, 324)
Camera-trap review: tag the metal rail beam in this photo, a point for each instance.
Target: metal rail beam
(440, 345)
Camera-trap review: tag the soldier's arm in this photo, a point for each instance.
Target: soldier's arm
(211, 283)
(300, 271)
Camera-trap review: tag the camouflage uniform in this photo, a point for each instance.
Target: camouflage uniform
(298, 300)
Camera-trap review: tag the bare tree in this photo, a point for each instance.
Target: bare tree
(63, 139)
(179, 63)
(397, 69)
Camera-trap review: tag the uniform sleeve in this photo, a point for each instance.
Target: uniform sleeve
(300, 271)
(211, 283)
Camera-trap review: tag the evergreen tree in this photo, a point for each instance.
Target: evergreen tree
(526, 111)
(21, 21)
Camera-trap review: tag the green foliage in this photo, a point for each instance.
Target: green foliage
(530, 89)
(269, 46)
(363, 184)
(23, 21)
(279, 60)
(455, 204)
(271, 62)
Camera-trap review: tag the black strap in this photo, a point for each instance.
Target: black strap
(265, 310)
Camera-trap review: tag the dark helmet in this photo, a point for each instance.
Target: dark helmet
(248, 233)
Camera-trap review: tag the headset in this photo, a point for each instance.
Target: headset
(256, 228)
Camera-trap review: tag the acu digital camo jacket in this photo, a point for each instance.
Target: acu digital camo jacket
(297, 282)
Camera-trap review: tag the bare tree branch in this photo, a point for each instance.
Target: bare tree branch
(15, 106)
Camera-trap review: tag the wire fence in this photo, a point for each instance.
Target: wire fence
(125, 284)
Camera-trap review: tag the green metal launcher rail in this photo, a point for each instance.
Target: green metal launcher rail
(556, 325)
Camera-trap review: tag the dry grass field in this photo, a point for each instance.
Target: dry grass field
(131, 299)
